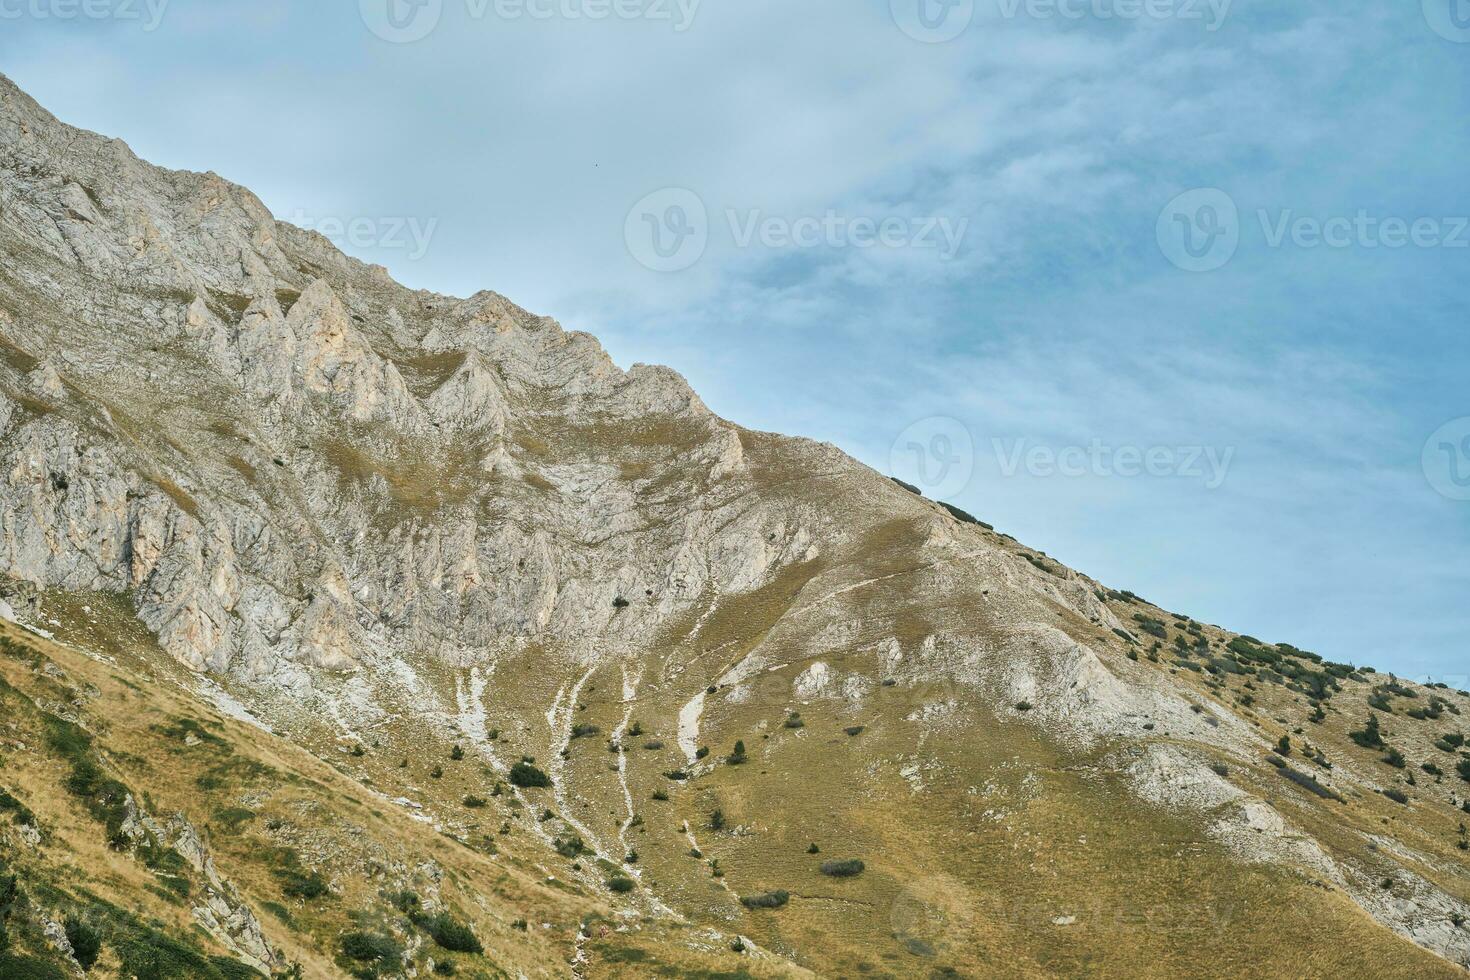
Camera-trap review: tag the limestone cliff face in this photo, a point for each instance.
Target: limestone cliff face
(282, 455)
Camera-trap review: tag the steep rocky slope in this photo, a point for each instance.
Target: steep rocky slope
(452, 547)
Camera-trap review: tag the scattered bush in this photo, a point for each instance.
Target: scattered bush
(850, 868)
(1397, 795)
(621, 885)
(814, 849)
(405, 901)
(18, 810)
(527, 776)
(474, 802)
(737, 757)
(85, 939)
(702, 753)
(661, 795)
(653, 746)
(1151, 626)
(456, 753)
(795, 721)
(585, 731)
(1309, 783)
(1369, 737)
(963, 517)
(717, 820)
(301, 884)
(621, 603)
(449, 933)
(854, 730)
(907, 486)
(768, 900)
(375, 948)
(1024, 706)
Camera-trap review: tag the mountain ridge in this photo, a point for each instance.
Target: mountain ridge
(387, 522)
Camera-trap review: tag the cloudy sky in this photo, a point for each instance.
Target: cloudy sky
(1175, 290)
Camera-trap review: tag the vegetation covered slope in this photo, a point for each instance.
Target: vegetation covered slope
(145, 833)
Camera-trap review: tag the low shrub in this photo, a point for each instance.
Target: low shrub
(767, 900)
(18, 810)
(527, 776)
(375, 948)
(449, 933)
(849, 868)
(85, 939)
(621, 885)
(301, 884)
(1368, 736)
(1397, 795)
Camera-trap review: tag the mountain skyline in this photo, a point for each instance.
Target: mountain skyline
(1323, 374)
(352, 629)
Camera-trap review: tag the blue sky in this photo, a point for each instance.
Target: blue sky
(1263, 425)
